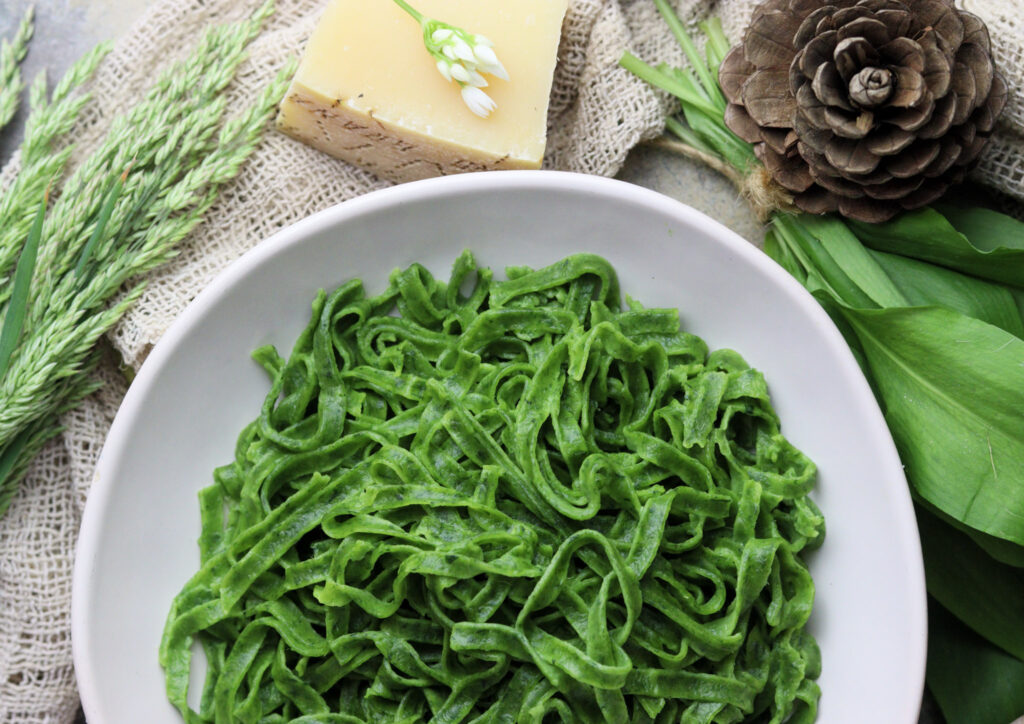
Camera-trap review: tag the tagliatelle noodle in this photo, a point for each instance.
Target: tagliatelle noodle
(526, 504)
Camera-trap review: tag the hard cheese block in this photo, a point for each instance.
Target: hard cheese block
(368, 92)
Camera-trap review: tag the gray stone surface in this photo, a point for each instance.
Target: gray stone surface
(694, 184)
(65, 29)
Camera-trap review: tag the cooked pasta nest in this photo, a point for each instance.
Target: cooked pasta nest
(503, 501)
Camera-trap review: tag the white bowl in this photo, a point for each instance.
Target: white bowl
(199, 387)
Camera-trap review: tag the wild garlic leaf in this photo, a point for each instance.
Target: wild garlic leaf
(986, 595)
(952, 389)
(927, 235)
(923, 284)
(782, 256)
(987, 230)
(1001, 550)
(973, 681)
(820, 265)
(850, 254)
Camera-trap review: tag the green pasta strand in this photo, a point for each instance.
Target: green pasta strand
(523, 503)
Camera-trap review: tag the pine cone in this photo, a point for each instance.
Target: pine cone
(863, 107)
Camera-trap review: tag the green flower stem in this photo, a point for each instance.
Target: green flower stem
(416, 14)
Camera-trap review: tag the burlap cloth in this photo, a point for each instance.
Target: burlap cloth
(598, 113)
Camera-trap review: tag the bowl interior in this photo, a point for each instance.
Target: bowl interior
(199, 388)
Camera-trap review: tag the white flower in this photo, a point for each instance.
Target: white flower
(461, 57)
(476, 79)
(463, 51)
(484, 55)
(459, 72)
(478, 101)
(488, 62)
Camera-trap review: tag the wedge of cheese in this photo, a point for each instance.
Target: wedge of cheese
(368, 92)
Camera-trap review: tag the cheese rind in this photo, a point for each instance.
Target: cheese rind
(368, 92)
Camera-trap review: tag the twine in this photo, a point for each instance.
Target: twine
(756, 186)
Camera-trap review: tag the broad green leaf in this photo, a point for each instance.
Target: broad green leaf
(782, 256)
(788, 256)
(952, 389)
(1018, 298)
(927, 235)
(973, 681)
(987, 230)
(858, 263)
(1002, 550)
(819, 264)
(923, 284)
(986, 595)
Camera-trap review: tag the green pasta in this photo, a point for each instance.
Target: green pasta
(503, 501)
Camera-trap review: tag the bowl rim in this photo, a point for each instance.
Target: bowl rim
(98, 497)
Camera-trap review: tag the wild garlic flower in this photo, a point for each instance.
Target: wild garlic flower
(461, 57)
(478, 101)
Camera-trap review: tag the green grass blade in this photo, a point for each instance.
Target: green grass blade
(101, 222)
(9, 460)
(17, 455)
(717, 45)
(687, 135)
(737, 152)
(666, 82)
(18, 303)
(709, 82)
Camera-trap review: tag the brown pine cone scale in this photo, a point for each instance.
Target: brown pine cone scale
(864, 108)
